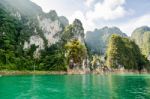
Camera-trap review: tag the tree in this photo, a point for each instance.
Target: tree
(75, 51)
(53, 58)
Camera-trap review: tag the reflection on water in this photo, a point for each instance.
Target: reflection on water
(75, 87)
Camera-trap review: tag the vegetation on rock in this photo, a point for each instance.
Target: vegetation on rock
(34, 40)
(123, 52)
(142, 37)
(75, 52)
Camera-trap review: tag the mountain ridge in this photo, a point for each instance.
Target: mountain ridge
(97, 40)
(141, 36)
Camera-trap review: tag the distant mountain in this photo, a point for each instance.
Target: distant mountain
(97, 40)
(141, 36)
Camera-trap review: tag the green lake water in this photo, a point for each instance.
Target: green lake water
(123, 86)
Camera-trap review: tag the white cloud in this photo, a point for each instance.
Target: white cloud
(89, 2)
(107, 10)
(131, 25)
(87, 24)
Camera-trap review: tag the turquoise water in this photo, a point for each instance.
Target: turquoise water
(75, 87)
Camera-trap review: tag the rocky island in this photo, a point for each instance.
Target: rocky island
(32, 40)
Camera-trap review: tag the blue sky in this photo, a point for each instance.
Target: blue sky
(125, 14)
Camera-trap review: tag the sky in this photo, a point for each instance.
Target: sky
(125, 14)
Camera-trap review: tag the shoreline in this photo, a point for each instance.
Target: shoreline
(26, 72)
(72, 72)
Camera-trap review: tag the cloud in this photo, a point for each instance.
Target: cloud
(87, 24)
(89, 2)
(131, 25)
(107, 10)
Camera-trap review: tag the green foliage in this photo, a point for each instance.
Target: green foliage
(12, 37)
(53, 58)
(123, 52)
(75, 51)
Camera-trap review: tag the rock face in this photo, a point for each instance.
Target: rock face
(74, 31)
(37, 41)
(141, 36)
(44, 28)
(73, 36)
(52, 26)
(148, 57)
(78, 30)
(97, 40)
